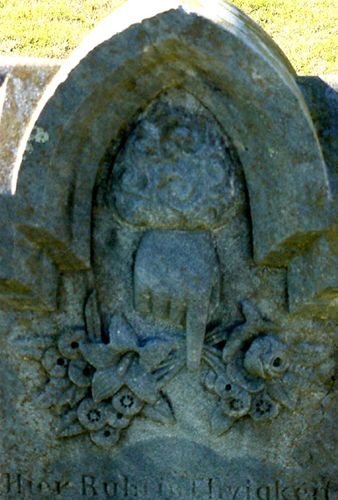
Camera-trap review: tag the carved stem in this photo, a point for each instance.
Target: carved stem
(213, 359)
(125, 363)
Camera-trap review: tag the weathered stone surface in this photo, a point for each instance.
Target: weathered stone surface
(321, 95)
(227, 57)
(23, 82)
(167, 270)
(313, 280)
(23, 268)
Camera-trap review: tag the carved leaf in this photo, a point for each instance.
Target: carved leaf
(122, 338)
(99, 355)
(161, 411)
(76, 395)
(69, 425)
(209, 379)
(142, 383)
(154, 352)
(72, 430)
(46, 399)
(250, 312)
(33, 348)
(220, 423)
(92, 317)
(219, 334)
(105, 384)
(106, 437)
(284, 394)
(71, 396)
(238, 375)
(54, 392)
(67, 418)
(169, 368)
(310, 354)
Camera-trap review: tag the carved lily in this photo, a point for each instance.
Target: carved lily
(80, 373)
(128, 372)
(126, 361)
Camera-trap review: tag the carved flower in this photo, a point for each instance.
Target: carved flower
(126, 403)
(263, 407)
(70, 341)
(237, 404)
(69, 375)
(80, 373)
(235, 401)
(251, 376)
(126, 361)
(117, 420)
(151, 352)
(54, 363)
(105, 437)
(224, 387)
(60, 392)
(267, 357)
(93, 416)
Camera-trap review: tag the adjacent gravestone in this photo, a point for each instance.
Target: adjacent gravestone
(167, 273)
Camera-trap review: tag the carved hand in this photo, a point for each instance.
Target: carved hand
(176, 281)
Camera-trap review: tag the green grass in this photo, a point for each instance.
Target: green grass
(306, 30)
(48, 28)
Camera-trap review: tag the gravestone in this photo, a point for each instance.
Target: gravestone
(168, 284)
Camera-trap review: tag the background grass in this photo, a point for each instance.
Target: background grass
(306, 30)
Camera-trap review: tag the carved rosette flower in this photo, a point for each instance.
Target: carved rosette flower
(67, 373)
(80, 373)
(55, 363)
(70, 341)
(263, 408)
(126, 403)
(99, 388)
(106, 437)
(249, 371)
(93, 416)
(236, 405)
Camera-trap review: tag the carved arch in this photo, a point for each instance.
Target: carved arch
(227, 63)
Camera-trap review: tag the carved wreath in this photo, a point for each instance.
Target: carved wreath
(98, 388)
